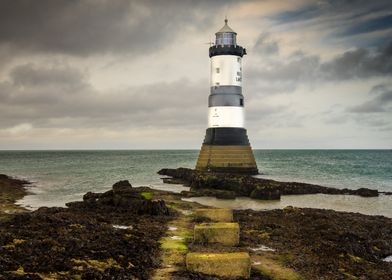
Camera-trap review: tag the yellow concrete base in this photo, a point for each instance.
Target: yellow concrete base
(218, 215)
(220, 264)
(232, 159)
(227, 234)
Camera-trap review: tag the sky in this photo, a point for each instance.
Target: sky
(123, 74)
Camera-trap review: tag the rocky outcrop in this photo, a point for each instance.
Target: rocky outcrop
(111, 235)
(122, 198)
(322, 244)
(245, 185)
(11, 190)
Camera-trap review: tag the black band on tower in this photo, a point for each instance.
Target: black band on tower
(227, 50)
(226, 136)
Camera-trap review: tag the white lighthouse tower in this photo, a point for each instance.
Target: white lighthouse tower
(226, 146)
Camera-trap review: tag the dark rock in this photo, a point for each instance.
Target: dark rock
(172, 181)
(124, 198)
(189, 194)
(55, 239)
(122, 187)
(245, 185)
(366, 192)
(319, 243)
(265, 193)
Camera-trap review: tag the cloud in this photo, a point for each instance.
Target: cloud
(304, 13)
(337, 22)
(28, 75)
(375, 24)
(265, 45)
(63, 97)
(379, 103)
(90, 27)
(359, 63)
(286, 73)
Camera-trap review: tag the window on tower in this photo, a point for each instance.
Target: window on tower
(217, 70)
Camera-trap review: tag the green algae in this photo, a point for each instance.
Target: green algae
(170, 244)
(147, 195)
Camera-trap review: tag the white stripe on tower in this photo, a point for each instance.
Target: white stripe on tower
(226, 116)
(226, 70)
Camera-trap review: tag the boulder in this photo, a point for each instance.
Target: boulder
(265, 193)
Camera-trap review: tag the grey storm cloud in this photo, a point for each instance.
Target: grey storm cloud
(30, 97)
(360, 63)
(265, 45)
(90, 26)
(303, 68)
(29, 76)
(342, 20)
(381, 102)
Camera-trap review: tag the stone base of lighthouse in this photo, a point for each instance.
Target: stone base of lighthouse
(227, 150)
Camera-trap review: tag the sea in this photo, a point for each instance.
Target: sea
(59, 177)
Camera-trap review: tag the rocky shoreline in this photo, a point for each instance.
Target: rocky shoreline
(118, 235)
(112, 235)
(224, 185)
(319, 243)
(11, 190)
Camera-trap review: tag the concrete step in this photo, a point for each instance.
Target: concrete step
(218, 215)
(220, 264)
(227, 234)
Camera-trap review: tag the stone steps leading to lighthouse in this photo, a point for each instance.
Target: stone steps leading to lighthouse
(216, 260)
(220, 257)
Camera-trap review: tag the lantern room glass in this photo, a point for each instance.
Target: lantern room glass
(226, 38)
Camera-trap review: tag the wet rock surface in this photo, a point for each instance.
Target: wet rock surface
(11, 189)
(245, 185)
(322, 244)
(81, 242)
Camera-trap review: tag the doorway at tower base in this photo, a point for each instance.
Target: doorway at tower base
(227, 158)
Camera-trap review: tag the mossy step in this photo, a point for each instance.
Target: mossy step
(227, 234)
(220, 264)
(218, 215)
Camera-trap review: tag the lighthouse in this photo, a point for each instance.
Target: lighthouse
(226, 146)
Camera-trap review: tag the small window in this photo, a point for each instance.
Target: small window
(217, 70)
(217, 83)
(241, 102)
(238, 59)
(238, 73)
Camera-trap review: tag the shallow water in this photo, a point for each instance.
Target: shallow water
(348, 203)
